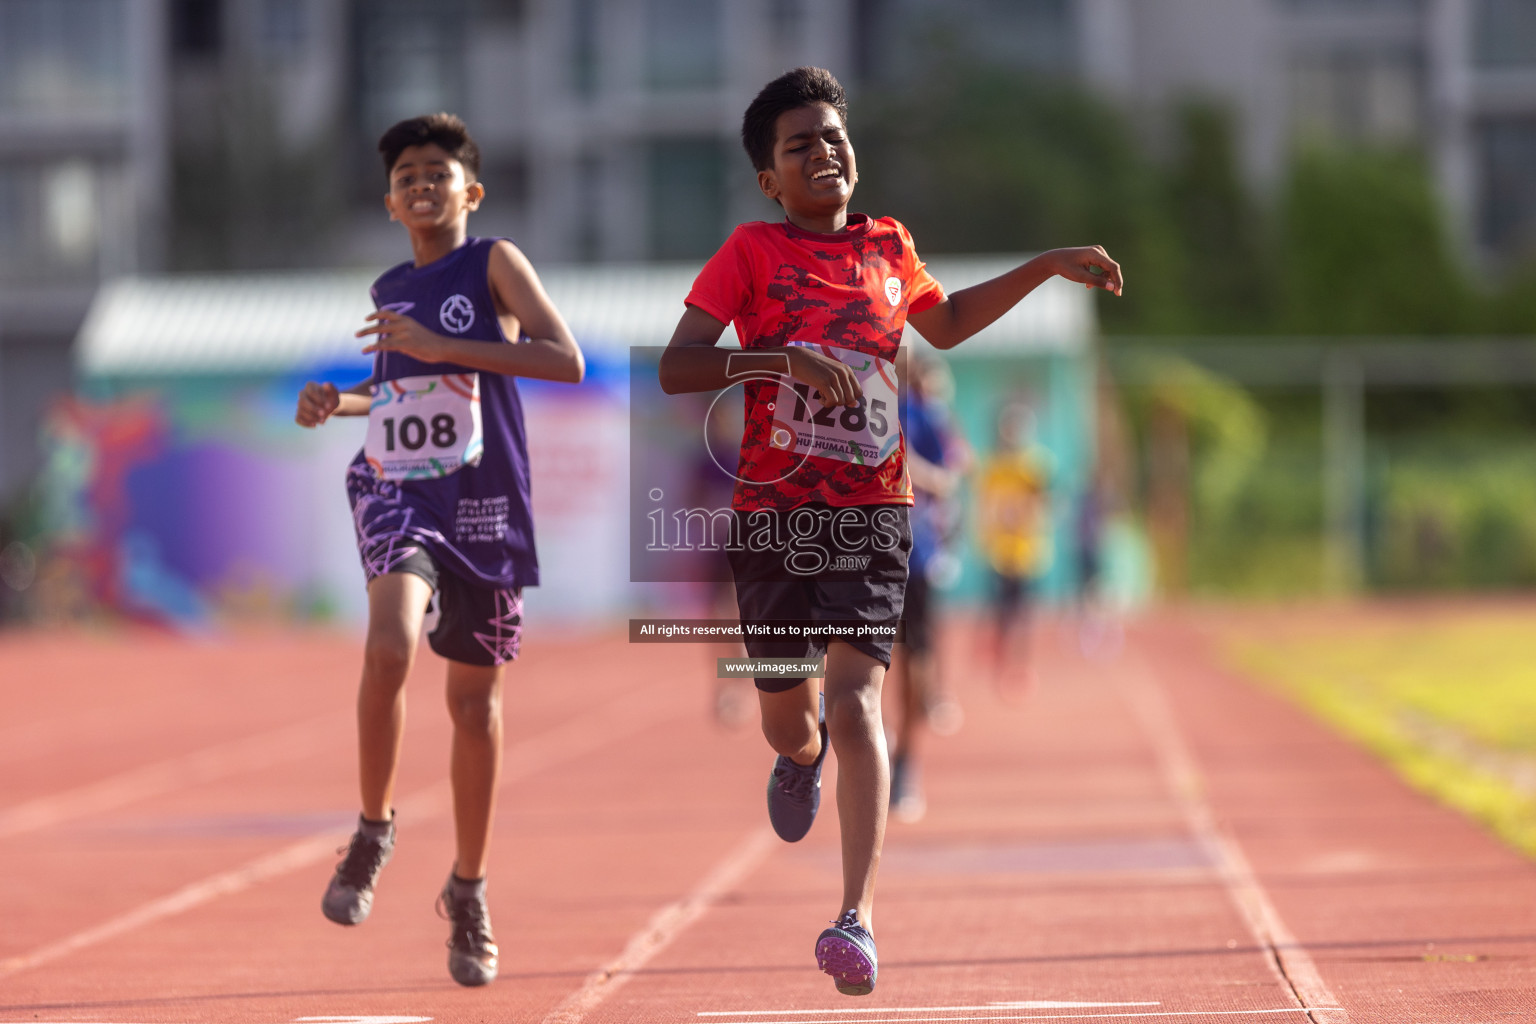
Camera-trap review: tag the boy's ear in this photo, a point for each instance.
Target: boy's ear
(769, 183)
(389, 205)
(473, 193)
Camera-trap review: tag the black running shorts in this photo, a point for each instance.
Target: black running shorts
(477, 624)
(831, 567)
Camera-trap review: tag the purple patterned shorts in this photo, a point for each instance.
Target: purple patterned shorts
(477, 624)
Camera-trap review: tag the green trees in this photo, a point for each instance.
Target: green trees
(1227, 271)
(1350, 242)
(1363, 249)
(1346, 243)
(985, 160)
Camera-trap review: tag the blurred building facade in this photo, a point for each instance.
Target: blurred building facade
(238, 134)
(1454, 78)
(83, 185)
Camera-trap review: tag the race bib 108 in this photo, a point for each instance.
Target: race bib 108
(424, 427)
(865, 434)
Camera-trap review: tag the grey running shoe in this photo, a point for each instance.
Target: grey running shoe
(794, 791)
(349, 897)
(846, 951)
(472, 948)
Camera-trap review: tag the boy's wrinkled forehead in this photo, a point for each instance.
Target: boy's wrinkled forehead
(420, 158)
(806, 121)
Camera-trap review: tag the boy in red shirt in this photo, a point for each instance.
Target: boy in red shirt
(822, 493)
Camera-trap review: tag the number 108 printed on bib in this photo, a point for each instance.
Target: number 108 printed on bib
(420, 428)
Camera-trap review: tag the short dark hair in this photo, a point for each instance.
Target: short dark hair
(791, 90)
(445, 130)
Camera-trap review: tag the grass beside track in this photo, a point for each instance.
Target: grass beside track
(1447, 698)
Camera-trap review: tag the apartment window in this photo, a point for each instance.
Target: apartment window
(197, 27)
(1355, 6)
(283, 26)
(1504, 33)
(587, 240)
(1371, 96)
(784, 23)
(508, 12)
(687, 197)
(64, 56)
(682, 43)
(13, 220)
(1034, 35)
(70, 212)
(871, 38)
(584, 47)
(410, 59)
(1507, 159)
(49, 217)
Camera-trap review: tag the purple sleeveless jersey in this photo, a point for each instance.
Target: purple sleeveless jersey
(476, 523)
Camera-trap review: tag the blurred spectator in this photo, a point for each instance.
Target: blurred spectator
(1013, 497)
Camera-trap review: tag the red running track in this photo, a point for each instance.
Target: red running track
(1141, 839)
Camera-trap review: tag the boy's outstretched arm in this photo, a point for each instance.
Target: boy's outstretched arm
(319, 401)
(971, 309)
(693, 363)
(549, 353)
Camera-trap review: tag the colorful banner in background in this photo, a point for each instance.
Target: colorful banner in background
(194, 502)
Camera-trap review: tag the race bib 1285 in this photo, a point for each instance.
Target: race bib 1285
(865, 434)
(424, 427)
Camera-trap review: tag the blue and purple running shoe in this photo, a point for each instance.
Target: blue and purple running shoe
(794, 790)
(846, 951)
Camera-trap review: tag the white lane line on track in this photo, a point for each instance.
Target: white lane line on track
(1006, 1004)
(297, 855)
(664, 926)
(1059, 1016)
(894, 1020)
(576, 738)
(375, 1019)
(252, 753)
(1290, 961)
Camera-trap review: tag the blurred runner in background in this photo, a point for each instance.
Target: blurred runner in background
(1098, 626)
(1013, 499)
(938, 459)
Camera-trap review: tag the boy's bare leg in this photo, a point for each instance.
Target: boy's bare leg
(789, 721)
(1002, 623)
(1013, 641)
(913, 671)
(863, 772)
(901, 680)
(397, 603)
(474, 704)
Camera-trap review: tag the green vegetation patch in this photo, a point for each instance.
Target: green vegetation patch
(1448, 699)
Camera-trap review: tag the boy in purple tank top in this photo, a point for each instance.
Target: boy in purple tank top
(440, 502)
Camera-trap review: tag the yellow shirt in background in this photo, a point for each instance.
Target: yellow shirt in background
(1014, 508)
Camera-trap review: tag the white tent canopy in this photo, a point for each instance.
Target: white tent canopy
(277, 322)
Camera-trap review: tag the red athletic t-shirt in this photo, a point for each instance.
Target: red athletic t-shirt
(849, 294)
